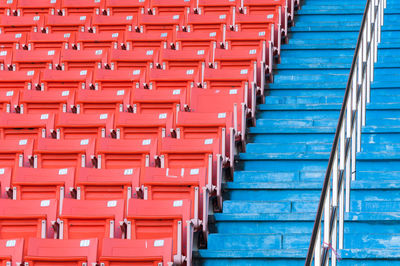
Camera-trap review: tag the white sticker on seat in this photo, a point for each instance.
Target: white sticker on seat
(18, 35)
(149, 52)
(11, 243)
(3, 53)
(67, 35)
(175, 17)
(1, 171)
(243, 71)
(253, 51)
(261, 33)
(176, 92)
(200, 52)
(162, 116)
(111, 203)
(65, 93)
(158, 243)
(213, 34)
(84, 243)
(178, 203)
(51, 52)
(136, 72)
(208, 141)
(44, 116)
(164, 34)
(83, 72)
(114, 35)
(30, 73)
(84, 141)
(233, 91)
(129, 17)
(103, 116)
(194, 171)
(189, 72)
(45, 203)
(9, 93)
(82, 18)
(128, 171)
(53, 1)
(120, 92)
(23, 142)
(146, 142)
(99, 52)
(63, 171)
(221, 115)
(222, 16)
(270, 16)
(9, 1)
(36, 18)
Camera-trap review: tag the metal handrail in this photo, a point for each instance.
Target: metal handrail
(347, 141)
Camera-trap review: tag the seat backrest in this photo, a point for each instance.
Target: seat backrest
(11, 251)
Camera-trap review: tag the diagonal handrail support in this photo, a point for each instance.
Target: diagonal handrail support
(341, 170)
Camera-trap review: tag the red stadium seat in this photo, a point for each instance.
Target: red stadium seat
(61, 252)
(223, 79)
(55, 153)
(160, 23)
(207, 23)
(50, 41)
(171, 7)
(81, 7)
(103, 40)
(91, 219)
(113, 24)
(100, 102)
(21, 126)
(138, 59)
(11, 251)
(38, 102)
(7, 7)
(9, 100)
(5, 182)
(148, 40)
(83, 59)
(27, 218)
(78, 126)
(184, 59)
(141, 126)
(117, 80)
(8, 41)
(65, 80)
(136, 252)
(152, 219)
(66, 24)
(107, 184)
(6, 59)
(16, 152)
(196, 40)
(37, 7)
(20, 24)
(18, 80)
(52, 184)
(216, 7)
(121, 153)
(126, 7)
(35, 59)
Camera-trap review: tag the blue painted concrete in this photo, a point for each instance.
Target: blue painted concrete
(269, 208)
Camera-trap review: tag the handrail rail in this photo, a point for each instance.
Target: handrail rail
(347, 141)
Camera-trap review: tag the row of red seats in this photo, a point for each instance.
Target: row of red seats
(102, 219)
(81, 251)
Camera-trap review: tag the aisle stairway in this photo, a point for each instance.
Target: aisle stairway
(270, 207)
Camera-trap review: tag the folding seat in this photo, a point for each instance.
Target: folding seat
(126, 7)
(10, 40)
(56, 153)
(81, 7)
(41, 183)
(27, 218)
(177, 79)
(37, 7)
(61, 252)
(171, 7)
(7, 7)
(18, 80)
(6, 59)
(5, 182)
(83, 59)
(91, 219)
(136, 252)
(20, 24)
(78, 126)
(106, 184)
(103, 40)
(21, 126)
(50, 41)
(16, 152)
(160, 23)
(157, 101)
(151, 40)
(207, 23)
(35, 59)
(65, 80)
(236, 78)
(8, 100)
(152, 219)
(196, 125)
(175, 184)
(141, 126)
(218, 7)
(101, 101)
(11, 251)
(113, 24)
(117, 79)
(196, 40)
(125, 153)
(184, 59)
(137, 59)
(39, 102)
(66, 24)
